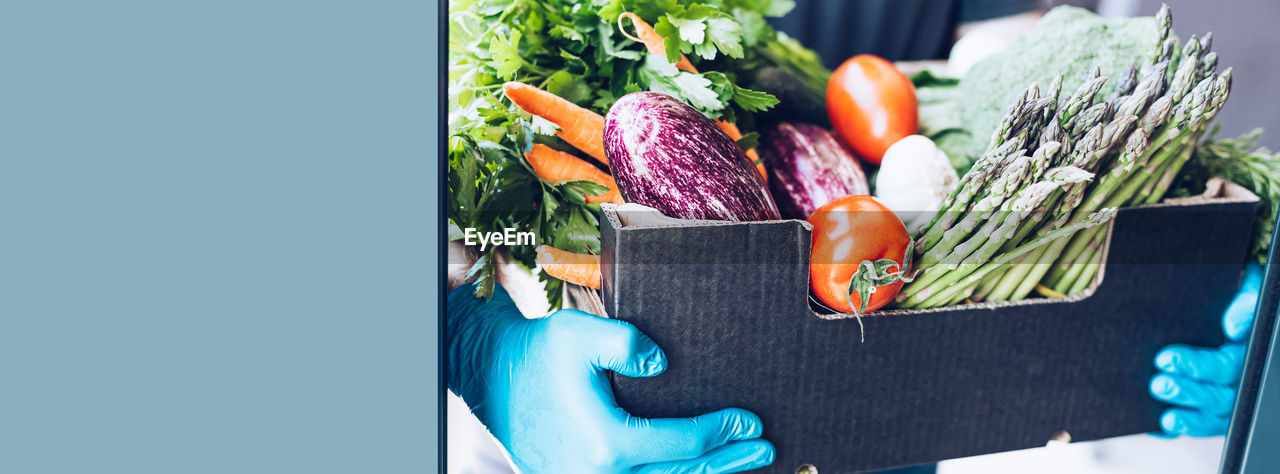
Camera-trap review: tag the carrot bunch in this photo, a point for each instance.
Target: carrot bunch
(584, 130)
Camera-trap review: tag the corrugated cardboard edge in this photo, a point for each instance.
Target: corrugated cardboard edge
(611, 212)
(1217, 191)
(993, 305)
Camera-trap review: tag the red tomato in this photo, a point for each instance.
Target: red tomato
(871, 105)
(847, 233)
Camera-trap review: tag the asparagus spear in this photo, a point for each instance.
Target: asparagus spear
(1208, 64)
(1053, 179)
(979, 173)
(1094, 145)
(972, 186)
(1127, 82)
(1080, 271)
(947, 287)
(1164, 24)
(1027, 199)
(1004, 186)
(1082, 98)
(1090, 270)
(1223, 89)
(1202, 103)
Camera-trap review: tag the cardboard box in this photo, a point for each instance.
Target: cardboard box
(728, 302)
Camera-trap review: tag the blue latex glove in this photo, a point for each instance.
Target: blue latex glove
(539, 386)
(1201, 382)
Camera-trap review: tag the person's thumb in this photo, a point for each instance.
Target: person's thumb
(1239, 316)
(618, 346)
(669, 439)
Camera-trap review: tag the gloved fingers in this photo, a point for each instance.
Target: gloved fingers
(663, 439)
(1221, 366)
(616, 345)
(1185, 392)
(1238, 318)
(733, 457)
(1180, 421)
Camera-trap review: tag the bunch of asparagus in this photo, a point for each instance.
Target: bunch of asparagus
(1030, 209)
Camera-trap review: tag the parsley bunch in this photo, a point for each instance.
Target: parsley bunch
(578, 50)
(1241, 161)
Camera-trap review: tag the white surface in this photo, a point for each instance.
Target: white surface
(1137, 454)
(470, 449)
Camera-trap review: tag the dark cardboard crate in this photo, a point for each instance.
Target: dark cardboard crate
(728, 302)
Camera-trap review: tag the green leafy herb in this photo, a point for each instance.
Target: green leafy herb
(1241, 161)
(749, 140)
(506, 54)
(753, 101)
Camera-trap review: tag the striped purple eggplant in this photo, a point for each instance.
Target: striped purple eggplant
(808, 168)
(666, 155)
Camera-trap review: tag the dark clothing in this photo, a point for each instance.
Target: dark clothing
(896, 30)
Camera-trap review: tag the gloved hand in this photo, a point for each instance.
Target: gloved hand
(1201, 382)
(539, 386)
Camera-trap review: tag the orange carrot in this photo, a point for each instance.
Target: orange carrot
(617, 199)
(752, 156)
(555, 165)
(579, 127)
(580, 269)
(654, 43)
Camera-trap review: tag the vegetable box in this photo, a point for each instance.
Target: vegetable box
(729, 303)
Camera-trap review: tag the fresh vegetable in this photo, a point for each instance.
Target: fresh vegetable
(750, 152)
(939, 116)
(787, 53)
(1066, 41)
(668, 156)
(579, 127)
(1241, 161)
(1196, 94)
(871, 105)
(554, 165)
(571, 267)
(860, 255)
(810, 168)
(655, 44)
(914, 177)
(1089, 155)
(652, 41)
(577, 52)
